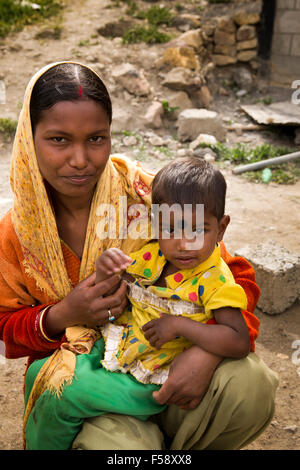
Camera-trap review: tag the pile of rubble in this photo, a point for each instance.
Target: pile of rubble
(226, 40)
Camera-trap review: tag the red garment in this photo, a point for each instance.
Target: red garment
(18, 328)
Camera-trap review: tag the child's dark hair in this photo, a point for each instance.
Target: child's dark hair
(191, 180)
(67, 82)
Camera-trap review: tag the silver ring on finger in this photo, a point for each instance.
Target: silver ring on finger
(110, 316)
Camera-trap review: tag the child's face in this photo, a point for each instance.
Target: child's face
(180, 251)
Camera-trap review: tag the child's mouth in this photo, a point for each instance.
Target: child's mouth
(185, 260)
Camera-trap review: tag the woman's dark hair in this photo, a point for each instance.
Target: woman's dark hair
(67, 82)
(191, 180)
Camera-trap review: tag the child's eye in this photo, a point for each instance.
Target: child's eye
(167, 230)
(198, 231)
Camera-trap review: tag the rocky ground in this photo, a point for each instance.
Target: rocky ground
(259, 212)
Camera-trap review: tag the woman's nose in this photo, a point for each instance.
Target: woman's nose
(79, 157)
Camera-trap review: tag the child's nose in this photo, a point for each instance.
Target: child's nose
(182, 244)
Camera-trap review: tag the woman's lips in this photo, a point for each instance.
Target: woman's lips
(78, 179)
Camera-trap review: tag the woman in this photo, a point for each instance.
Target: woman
(61, 174)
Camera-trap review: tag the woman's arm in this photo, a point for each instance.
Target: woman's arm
(20, 330)
(24, 334)
(189, 378)
(87, 305)
(244, 275)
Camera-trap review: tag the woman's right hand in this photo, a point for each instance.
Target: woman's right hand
(86, 305)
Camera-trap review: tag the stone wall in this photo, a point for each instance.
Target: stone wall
(285, 55)
(235, 39)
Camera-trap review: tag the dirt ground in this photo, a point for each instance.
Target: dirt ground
(259, 212)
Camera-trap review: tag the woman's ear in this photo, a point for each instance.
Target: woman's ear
(223, 224)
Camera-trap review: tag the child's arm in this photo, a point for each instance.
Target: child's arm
(228, 338)
(112, 261)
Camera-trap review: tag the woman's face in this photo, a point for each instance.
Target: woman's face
(72, 143)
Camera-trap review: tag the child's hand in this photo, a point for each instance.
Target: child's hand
(160, 331)
(112, 261)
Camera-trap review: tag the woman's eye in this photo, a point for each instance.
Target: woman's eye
(96, 139)
(58, 139)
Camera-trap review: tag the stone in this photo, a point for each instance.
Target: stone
(156, 140)
(191, 38)
(242, 17)
(225, 49)
(180, 101)
(220, 59)
(246, 56)
(245, 32)
(292, 428)
(250, 44)
(194, 121)
(153, 116)
(203, 97)
(130, 141)
(181, 56)
(131, 79)
(241, 93)
(182, 79)
(277, 274)
(243, 78)
(124, 120)
(209, 29)
(224, 38)
(206, 153)
(203, 139)
(226, 23)
(193, 21)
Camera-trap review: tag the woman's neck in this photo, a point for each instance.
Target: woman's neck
(72, 216)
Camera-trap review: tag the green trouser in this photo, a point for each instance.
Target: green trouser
(54, 422)
(237, 407)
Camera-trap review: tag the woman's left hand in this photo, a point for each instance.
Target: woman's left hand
(189, 378)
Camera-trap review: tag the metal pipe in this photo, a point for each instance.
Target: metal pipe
(265, 163)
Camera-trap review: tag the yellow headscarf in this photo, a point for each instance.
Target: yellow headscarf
(35, 225)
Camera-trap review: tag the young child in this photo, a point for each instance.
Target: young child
(181, 293)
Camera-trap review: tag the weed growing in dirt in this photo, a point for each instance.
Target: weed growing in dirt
(168, 110)
(287, 173)
(149, 35)
(8, 128)
(15, 14)
(157, 15)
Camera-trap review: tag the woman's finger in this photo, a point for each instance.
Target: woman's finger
(102, 287)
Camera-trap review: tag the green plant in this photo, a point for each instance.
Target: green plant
(167, 108)
(8, 127)
(149, 35)
(14, 14)
(157, 15)
(286, 173)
